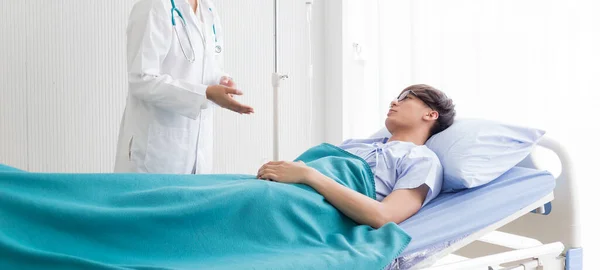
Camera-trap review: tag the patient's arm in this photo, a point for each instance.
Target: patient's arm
(396, 207)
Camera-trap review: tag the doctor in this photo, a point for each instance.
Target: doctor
(175, 76)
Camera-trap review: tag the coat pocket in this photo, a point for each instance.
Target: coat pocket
(168, 150)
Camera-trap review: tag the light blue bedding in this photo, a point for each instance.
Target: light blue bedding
(142, 221)
(452, 216)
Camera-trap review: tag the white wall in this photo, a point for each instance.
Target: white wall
(347, 97)
(13, 86)
(63, 83)
(360, 80)
(334, 57)
(250, 60)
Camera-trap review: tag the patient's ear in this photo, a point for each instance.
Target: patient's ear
(431, 115)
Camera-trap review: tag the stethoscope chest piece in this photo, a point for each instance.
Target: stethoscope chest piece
(218, 49)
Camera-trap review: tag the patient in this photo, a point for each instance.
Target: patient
(157, 221)
(407, 174)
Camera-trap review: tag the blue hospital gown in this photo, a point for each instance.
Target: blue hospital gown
(398, 165)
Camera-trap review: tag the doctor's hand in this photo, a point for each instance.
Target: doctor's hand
(222, 96)
(227, 81)
(285, 172)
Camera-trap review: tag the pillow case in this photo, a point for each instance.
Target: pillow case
(474, 152)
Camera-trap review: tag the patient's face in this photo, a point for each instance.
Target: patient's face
(407, 111)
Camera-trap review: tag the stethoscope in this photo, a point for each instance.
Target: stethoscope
(191, 59)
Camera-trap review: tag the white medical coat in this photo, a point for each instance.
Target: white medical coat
(167, 125)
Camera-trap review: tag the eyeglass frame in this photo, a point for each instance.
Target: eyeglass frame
(405, 94)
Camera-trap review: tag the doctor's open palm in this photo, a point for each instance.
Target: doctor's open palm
(222, 96)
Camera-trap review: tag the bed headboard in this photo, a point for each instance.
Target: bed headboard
(563, 222)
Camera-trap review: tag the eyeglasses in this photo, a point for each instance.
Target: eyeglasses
(406, 93)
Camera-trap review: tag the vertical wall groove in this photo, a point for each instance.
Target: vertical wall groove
(26, 91)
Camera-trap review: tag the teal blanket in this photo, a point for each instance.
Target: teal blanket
(142, 221)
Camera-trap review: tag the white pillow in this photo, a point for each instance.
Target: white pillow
(474, 152)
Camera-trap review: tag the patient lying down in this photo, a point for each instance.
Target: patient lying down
(407, 174)
(142, 221)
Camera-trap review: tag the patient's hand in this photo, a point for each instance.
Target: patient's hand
(285, 172)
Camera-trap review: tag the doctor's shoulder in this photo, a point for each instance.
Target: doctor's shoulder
(149, 13)
(145, 7)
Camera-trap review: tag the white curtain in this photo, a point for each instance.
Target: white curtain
(379, 65)
(533, 63)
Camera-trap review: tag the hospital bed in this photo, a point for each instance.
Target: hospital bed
(526, 219)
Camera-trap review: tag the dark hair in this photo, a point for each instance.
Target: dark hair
(439, 102)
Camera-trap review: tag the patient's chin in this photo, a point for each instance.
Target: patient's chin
(391, 124)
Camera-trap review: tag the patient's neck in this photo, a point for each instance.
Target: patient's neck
(416, 136)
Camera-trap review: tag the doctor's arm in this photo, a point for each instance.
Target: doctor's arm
(149, 36)
(396, 207)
